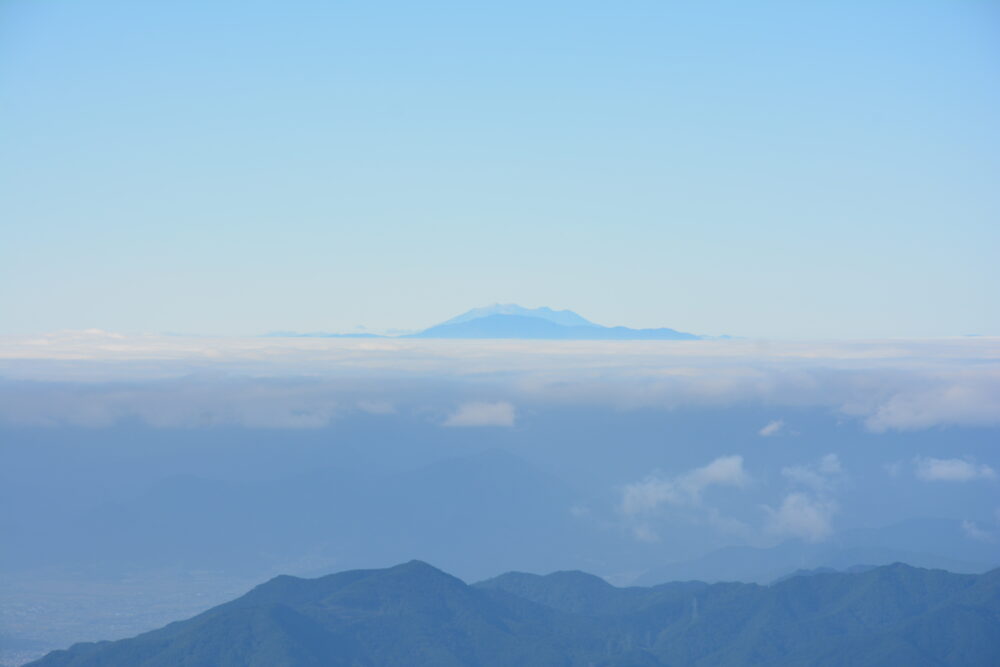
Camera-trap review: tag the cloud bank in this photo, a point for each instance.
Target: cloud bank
(93, 378)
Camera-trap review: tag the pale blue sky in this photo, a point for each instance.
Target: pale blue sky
(761, 169)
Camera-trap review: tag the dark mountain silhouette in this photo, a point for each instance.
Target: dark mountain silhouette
(414, 614)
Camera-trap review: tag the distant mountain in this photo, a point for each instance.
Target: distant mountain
(854, 569)
(414, 614)
(509, 320)
(917, 541)
(502, 325)
(566, 318)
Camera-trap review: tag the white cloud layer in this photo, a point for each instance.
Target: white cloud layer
(92, 377)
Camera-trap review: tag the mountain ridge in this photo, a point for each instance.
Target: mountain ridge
(566, 318)
(511, 321)
(534, 328)
(416, 614)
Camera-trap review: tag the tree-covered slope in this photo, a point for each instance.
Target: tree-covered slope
(413, 614)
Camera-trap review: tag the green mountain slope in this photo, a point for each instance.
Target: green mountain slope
(414, 614)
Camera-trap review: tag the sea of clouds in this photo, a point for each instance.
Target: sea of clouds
(96, 378)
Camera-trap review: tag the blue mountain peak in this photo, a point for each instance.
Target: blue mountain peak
(566, 318)
(512, 321)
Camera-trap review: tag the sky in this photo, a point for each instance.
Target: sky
(770, 169)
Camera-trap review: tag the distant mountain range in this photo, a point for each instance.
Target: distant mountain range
(414, 614)
(513, 321)
(565, 318)
(916, 541)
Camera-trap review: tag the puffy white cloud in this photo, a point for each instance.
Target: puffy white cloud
(974, 532)
(951, 470)
(807, 513)
(499, 413)
(771, 428)
(655, 490)
(803, 516)
(725, 470)
(816, 476)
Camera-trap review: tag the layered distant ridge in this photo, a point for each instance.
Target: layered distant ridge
(414, 614)
(510, 320)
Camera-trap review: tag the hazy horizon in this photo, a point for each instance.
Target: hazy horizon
(277, 330)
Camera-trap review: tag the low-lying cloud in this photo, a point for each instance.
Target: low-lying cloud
(951, 470)
(972, 530)
(807, 511)
(818, 477)
(655, 490)
(640, 500)
(803, 516)
(91, 378)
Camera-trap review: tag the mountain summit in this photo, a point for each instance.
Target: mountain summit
(509, 320)
(414, 614)
(566, 318)
(514, 321)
